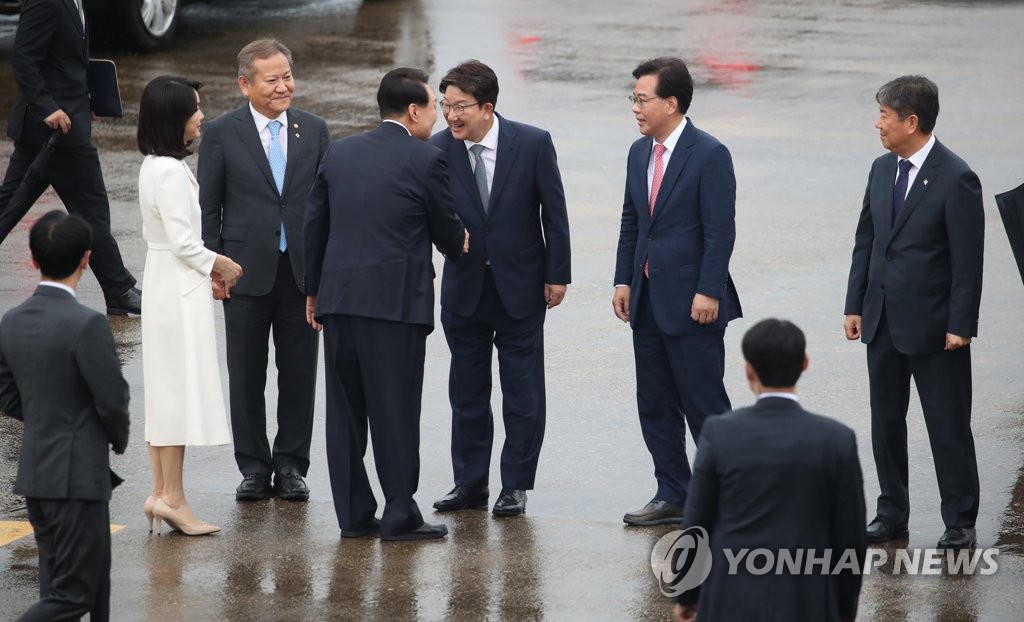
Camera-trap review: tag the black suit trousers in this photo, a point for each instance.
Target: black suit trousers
(73, 538)
(249, 322)
(520, 344)
(679, 380)
(75, 174)
(943, 381)
(374, 379)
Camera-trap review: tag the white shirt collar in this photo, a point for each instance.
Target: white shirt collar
(398, 124)
(262, 121)
(922, 154)
(673, 138)
(783, 394)
(490, 139)
(59, 286)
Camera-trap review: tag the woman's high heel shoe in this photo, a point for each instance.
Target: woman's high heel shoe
(181, 519)
(147, 507)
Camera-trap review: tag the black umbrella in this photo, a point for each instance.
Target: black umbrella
(32, 186)
(1011, 209)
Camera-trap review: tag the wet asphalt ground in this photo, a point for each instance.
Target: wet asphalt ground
(789, 87)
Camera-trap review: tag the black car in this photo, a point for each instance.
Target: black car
(144, 25)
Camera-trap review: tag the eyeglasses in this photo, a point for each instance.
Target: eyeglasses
(636, 100)
(459, 109)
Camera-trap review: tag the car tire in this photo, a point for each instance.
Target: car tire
(148, 25)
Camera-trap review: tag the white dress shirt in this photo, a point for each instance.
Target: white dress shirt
(916, 161)
(489, 154)
(261, 126)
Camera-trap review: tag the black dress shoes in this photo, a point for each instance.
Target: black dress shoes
(463, 497)
(426, 531)
(511, 502)
(361, 532)
(291, 487)
(128, 302)
(654, 513)
(254, 487)
(958, 538)
(881, 530)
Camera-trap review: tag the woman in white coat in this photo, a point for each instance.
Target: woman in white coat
(184, 402)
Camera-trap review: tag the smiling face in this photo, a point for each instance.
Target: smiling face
(476, 118)
(271, 85)
(192, 126)
(896, 134)
(655, 116)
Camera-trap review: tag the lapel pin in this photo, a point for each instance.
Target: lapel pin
(297, 135)
(925, 182)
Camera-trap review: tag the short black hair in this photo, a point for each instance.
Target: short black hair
(167, 103)
(673, 79)
(475, 78)
(776, 350)
(399, 88)
(909, 95)
(58, 242)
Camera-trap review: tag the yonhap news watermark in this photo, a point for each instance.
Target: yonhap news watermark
(682, 559)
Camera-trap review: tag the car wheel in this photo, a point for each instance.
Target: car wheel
(148, 24)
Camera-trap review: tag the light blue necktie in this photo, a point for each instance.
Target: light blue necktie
(277, 163)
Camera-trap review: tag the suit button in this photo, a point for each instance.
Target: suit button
(650, 238)
(888, 258)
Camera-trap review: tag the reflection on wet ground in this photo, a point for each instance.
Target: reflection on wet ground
(789, 86)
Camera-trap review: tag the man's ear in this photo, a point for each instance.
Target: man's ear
(82, 265)
(751, 374)
(35, 264)
(807, 362)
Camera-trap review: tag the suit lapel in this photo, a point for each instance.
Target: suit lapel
(459, 167)
(296, 141)
(929, 169)
(638, 180)
(72, 9)
(245, 127)
(684, 147)
(508, 146)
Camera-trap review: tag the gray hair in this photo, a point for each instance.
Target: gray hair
(909, 95)
(259, 50)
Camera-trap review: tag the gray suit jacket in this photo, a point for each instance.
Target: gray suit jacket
(59, 373)
(242, 209)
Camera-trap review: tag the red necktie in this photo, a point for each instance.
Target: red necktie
(659, 174)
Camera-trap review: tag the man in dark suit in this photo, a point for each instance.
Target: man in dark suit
(672, 280)
(59, 374)
(774, 476)
(51, 55)
(913, 298)
(499, 293)
(379, 200)
(256, 166)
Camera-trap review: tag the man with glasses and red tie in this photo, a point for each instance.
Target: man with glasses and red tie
(672, 282)
(508, 192)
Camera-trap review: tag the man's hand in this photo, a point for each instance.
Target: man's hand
(465, 243)
(684, 613)
(310, 311)
(553, 294)
(955, 342)
(704, 309)
(58, 120)
(220, 288)
(620, 302)
(852, 327)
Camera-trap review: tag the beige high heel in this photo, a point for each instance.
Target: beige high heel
(147, 507)
(181, 519)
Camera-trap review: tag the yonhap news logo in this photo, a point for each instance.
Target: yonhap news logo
(681, 560)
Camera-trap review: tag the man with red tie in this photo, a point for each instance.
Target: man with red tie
(672, 280)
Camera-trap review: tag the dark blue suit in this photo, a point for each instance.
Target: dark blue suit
(524, 234)
(378, 201)
(688, 242)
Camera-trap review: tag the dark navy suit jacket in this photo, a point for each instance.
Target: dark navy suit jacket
(689, 240)
(378, 201)
(925, 269)
(524, 231)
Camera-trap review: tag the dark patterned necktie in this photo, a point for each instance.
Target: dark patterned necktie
(899, 191)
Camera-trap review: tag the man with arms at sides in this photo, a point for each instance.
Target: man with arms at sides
(59, 374)
(777, 477)
(379, 200)
(50, 59)
(672, 280)
(510, 197)
(913, 298)
(256, 166)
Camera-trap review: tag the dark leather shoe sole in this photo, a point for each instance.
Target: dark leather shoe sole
(252, 495)
(426, 532)
(966, 541)
(362, 532)
(293, 496)
(651, 522)
(452, 506)
(510, 511)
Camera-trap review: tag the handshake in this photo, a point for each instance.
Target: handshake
(224, 276)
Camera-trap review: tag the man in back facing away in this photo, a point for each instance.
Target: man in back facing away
(59, 374)
(777, 477)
